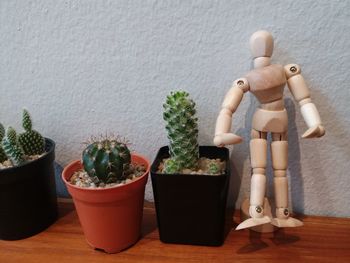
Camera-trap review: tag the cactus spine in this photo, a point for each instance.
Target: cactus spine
(181, 125)
(106, 160)
(3, 156)
(31, 141)
(12, 148)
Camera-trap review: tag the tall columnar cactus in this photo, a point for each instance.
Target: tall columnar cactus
(12, 148)
(181, 125)
(31, 141)
(3, 156)
(106, 159)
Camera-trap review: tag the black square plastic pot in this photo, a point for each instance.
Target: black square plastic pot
(191, 209)
(28, 202)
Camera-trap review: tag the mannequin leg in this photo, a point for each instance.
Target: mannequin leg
(279, 153)
(258, 157)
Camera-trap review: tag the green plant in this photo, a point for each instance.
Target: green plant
(31, 141)
(12, 148)
(213, 168)
(3, 156)
(171, 167)
(106, 159)
(181, 125)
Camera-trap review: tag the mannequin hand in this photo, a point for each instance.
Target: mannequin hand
(313, 132)
(223, 139)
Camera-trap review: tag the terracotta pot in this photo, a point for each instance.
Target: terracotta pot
(111, 218)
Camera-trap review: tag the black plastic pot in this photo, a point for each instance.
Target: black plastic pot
(191, 209)
(28, 203)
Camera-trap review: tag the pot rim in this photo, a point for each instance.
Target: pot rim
(154, 168)
(76, 162)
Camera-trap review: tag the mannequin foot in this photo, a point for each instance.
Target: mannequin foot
(289, 222)
(251, 222)
(284, 220)
(257, 218)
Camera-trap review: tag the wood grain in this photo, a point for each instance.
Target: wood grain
(322, 239)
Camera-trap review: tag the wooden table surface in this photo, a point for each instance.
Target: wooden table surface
(322, 239)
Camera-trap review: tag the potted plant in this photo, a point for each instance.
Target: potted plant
(108, 189)
(190, 182)
(27, 182)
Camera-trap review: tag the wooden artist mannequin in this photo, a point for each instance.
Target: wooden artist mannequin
(266, 81)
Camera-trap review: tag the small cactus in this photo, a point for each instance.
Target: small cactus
(181, 125)
(213, 168)
(3, 156)
(171, 167)
(2, 131)
(12, 148)
(106, 160)
(31, 141)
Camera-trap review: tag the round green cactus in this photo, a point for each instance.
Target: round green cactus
(12, 148)
(179, 114)
(31, 141)
(3, 156)
(106, 159)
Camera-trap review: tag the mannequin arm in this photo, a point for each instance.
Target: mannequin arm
(229, 106)
(300, 91)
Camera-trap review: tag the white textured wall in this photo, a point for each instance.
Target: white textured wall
(86, 67)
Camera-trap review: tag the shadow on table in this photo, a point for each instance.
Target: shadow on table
(281, 238)
(149, 222)
(65, 206)
(256, 243)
